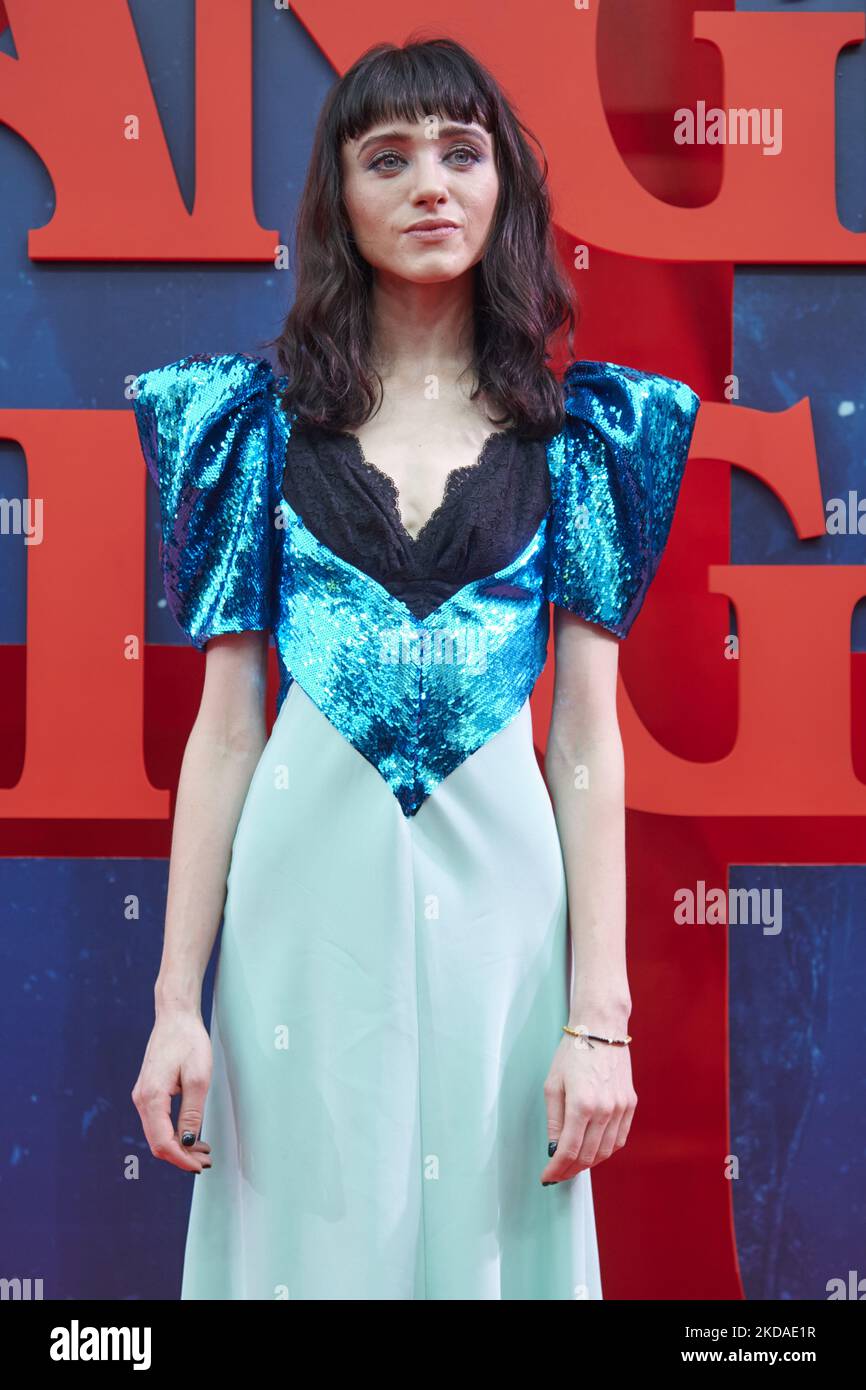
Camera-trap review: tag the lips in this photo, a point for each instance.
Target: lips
(433, 233)
(432, 225)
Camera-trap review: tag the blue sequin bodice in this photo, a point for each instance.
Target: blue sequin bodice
(414, 696)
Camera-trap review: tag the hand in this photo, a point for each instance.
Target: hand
(178, 1059)
(590, 1104)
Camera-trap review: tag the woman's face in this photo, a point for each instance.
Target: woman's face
(398, 174)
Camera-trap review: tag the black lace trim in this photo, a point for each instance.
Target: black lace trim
(455, 479)
(488, 513)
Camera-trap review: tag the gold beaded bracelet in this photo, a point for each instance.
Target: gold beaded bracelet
(581, 1032)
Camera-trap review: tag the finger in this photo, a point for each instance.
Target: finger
(199, 1147)
(617, 1130)
(592, 1140)
(189, 1120)
(562, 1162)
(605, 1133)
(607, 1142)
(155, 1111)
(625, 1125)
(554, 1100)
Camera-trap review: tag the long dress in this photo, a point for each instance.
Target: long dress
(394, 966)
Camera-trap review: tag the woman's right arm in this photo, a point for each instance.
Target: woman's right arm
(223, 748)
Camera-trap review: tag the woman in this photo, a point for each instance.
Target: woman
(394, 1110)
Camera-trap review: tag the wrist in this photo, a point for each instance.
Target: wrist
(178, 996)
(600, 1015)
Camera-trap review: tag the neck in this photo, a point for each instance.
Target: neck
(422, 330)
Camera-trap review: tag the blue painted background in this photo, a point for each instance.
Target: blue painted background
(798, 1037)
(85, 1205)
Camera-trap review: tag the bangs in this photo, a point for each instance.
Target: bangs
(411, 84)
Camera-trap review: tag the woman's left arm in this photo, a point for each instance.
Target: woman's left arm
(589, 1093)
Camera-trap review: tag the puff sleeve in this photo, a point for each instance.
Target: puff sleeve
(617, 469)
(206, 426)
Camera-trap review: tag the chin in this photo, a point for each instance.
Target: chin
(435, 275)
(442, 261)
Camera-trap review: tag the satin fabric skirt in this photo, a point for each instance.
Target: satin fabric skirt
(389, 996)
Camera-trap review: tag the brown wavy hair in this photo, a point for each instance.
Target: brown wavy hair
(522, 295)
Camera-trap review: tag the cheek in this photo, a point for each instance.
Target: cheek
(370, 214)
(481, 207)
(363, 226)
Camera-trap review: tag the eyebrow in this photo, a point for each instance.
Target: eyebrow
(445, 132)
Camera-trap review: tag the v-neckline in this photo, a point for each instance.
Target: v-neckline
(286, 424)
(436, 614)
(453, 477)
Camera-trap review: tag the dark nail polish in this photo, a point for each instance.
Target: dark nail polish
(188, 1138)
(551, 1148)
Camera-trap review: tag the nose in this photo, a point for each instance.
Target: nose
(429, 181)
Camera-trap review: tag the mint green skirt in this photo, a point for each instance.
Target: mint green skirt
(389, 996)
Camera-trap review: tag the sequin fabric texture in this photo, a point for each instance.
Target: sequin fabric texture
(414, 696)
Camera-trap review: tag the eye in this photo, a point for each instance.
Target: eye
(377, 163)
(467, 149)
(474, 157)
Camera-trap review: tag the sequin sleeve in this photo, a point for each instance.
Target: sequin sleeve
(206, 429)
(619, 463)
